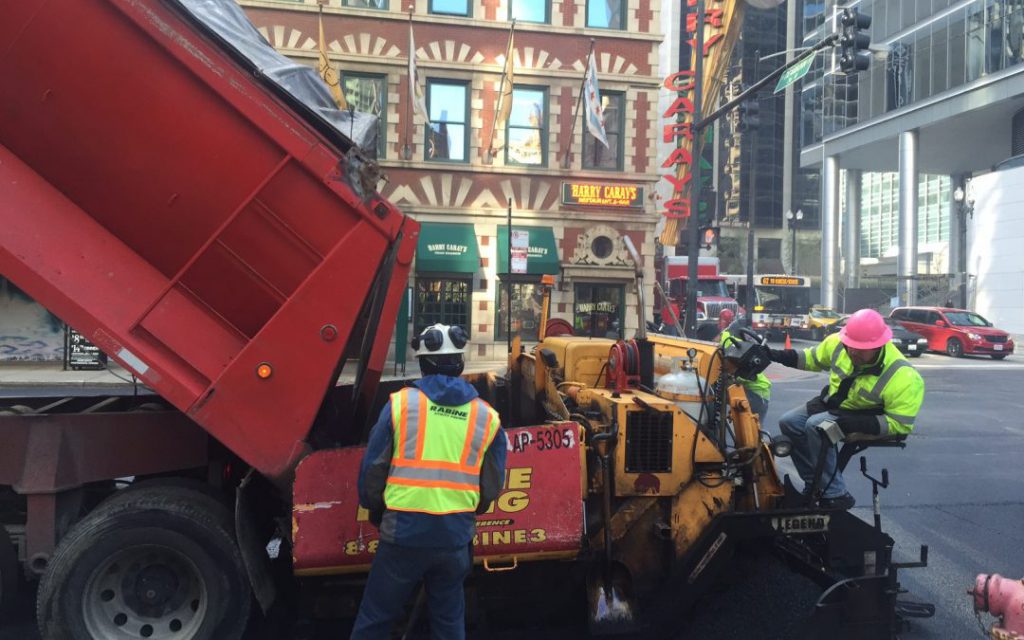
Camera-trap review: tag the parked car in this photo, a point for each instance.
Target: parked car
(955, 331)
(909, 343)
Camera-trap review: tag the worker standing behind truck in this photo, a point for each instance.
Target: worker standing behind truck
(758, 388)
(873, 391)
(435, 459)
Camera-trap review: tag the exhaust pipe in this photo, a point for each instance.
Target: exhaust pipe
(641, 332)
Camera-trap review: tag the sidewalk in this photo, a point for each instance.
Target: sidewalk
(51, 374)
(34, 374)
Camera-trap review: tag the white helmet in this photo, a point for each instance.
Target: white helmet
(440, 339)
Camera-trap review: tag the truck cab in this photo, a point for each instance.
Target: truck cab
(712, 292)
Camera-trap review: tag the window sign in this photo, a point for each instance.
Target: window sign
(82, 355)
(520, 250)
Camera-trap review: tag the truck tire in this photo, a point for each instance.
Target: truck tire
(8, 575)
(150, 562)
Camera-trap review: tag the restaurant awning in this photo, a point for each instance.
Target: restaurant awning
(449, 248)
(541, 256)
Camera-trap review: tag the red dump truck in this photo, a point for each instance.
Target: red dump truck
(187, 199)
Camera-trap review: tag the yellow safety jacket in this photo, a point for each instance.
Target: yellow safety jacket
(438, 452)
(760, 384)
(890, 386)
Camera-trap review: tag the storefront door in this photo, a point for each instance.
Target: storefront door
(598, 311)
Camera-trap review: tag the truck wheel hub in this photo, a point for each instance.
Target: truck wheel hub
(145, 592)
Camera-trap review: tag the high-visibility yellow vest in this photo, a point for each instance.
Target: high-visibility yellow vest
(438, 452)
(897, 388)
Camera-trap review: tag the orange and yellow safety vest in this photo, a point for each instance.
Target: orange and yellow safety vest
(438, 453)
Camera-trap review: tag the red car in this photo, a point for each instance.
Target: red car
(955, 331)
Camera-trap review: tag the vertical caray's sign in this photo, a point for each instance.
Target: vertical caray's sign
(722, 19)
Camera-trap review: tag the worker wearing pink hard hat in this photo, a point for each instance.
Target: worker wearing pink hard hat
(873, 391)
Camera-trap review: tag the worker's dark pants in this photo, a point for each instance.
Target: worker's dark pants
(802, 429)
(758, 405)
(394, 575)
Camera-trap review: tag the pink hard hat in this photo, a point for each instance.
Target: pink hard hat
(866, 329)
(726, 317)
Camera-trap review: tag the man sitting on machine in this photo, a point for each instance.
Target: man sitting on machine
(873, 392)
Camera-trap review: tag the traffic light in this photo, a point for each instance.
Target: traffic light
(853, 43)
(748, 116)
(709, 237)
(707, 206)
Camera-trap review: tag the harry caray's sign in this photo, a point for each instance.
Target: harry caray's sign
(590, 194)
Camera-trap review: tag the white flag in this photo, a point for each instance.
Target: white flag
(592, 96)
(419, 103)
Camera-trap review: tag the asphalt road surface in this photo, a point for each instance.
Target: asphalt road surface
(957, 487)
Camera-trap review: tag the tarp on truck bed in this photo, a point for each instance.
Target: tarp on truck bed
(228, 21)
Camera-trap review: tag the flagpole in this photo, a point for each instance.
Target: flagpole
(407, 148)
(500, 105)
(579, 101)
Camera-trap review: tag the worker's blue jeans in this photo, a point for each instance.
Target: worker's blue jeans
(758, 405)
(394, 575)
(802, 429)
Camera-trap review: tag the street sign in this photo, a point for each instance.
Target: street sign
(520, 248)
(794, 73)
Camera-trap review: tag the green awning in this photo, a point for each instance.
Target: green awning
(541, 256)
(447, 248)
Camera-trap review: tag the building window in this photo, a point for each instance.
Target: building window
(365, 4)
(442, 300)
(530, 10)
(598, 310)
(448, 105)
(606, 14)
(368, 93)
(527, 142)
(450, 7)
(527, 302)
(595, 154)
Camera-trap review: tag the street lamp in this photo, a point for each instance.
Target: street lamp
(794, 221)
(965, 207)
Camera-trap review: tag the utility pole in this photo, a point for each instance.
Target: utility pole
(748, 302)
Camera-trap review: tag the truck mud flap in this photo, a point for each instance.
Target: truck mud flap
(253, 547)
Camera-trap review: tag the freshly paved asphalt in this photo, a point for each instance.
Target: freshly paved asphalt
(957, 487)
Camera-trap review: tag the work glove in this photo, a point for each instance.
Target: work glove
(859, 423)
(785, 357)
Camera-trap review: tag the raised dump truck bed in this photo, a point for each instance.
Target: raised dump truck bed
(193, 220)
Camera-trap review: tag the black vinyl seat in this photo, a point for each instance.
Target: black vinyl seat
(855, 443)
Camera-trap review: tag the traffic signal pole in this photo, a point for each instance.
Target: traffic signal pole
(748, 301)
(693, 226)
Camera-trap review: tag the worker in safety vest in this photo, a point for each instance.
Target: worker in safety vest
(873, 391)
(435, 459)
(758, 388)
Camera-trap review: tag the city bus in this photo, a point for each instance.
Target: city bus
(782, 303)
